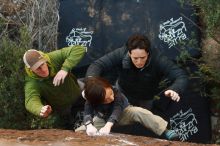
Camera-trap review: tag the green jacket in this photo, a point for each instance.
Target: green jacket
(41, 90)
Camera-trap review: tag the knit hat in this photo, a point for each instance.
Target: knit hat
(33, 59)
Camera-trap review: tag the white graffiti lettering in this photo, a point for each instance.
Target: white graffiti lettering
(184, 124)
(79, 36)
(172, 31)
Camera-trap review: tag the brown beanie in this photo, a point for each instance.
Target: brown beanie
(33, 59)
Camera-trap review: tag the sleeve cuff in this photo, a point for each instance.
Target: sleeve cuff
(65, 69)
(88, 122)
(112, 120)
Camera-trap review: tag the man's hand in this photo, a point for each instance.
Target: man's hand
(91, 130)
(45, 111)
(59, 78)
(106, 129)
(173, 95)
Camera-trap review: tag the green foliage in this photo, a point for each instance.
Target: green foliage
(209, 12)
(39, 123)
(12, 79)
(208, 72)
(13, 114)
(211, 76)
(210, 9)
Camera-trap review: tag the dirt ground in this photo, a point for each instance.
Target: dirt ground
(55, 137)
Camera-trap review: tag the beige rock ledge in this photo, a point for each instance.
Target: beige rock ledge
(55, 137)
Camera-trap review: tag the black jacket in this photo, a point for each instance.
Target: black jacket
(109, 112)
(140, 83)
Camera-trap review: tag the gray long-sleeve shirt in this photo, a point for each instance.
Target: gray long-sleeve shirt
(109, 112)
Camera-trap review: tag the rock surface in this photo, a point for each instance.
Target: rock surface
(55, 137)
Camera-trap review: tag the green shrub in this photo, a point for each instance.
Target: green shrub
(209, 12)
(13, 114)
(12, 110)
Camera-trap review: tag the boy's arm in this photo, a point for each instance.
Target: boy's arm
(88, 113)
(117, 110)
(120, 104)
(66, 59)
(72, 56)
(87, 118)
(32, 99)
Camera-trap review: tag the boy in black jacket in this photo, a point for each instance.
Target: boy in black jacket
(106, 105)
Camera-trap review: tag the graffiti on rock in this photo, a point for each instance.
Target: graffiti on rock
(79, 36)
(184, 123)
(172, 31)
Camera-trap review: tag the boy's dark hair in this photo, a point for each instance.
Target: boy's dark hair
(138, 41)
(95, 89)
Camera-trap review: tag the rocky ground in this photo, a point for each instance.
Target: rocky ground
(55, 137)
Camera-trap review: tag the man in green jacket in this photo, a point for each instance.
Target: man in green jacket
(49, 83)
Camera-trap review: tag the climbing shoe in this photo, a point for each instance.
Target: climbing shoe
(171, 135)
